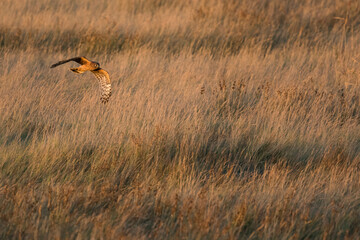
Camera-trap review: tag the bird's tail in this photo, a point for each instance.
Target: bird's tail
(77, 70)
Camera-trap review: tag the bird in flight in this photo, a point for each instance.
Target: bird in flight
(94, 67)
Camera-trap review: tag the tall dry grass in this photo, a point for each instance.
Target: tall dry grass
(228, 120)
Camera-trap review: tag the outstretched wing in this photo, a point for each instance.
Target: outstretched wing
(105, 84)
(80, 60)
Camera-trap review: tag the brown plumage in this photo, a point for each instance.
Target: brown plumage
(102, 75)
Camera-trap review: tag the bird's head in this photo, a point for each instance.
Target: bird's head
(96, 65)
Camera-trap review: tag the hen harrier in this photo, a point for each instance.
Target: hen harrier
(94, 67)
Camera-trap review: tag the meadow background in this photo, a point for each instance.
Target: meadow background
(228, 120)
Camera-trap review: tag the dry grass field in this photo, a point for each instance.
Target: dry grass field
(228, 120)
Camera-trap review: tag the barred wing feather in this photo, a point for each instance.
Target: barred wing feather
(105, 84)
